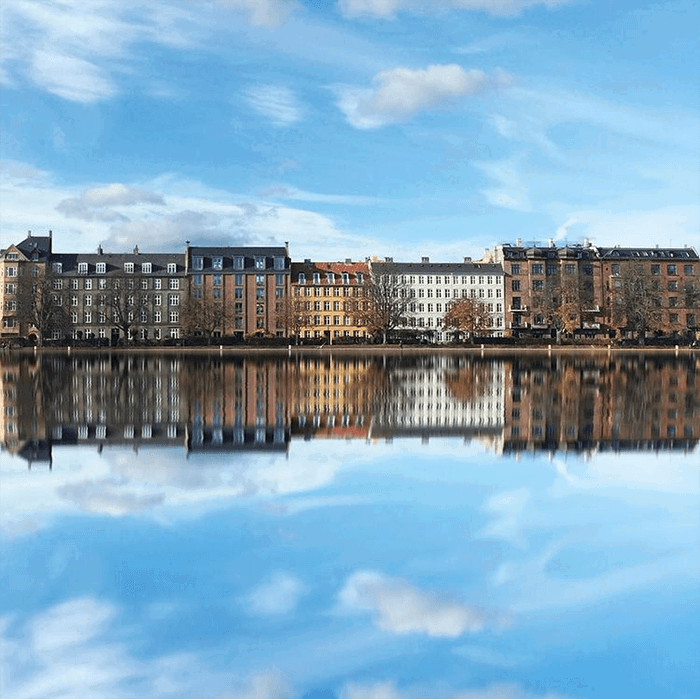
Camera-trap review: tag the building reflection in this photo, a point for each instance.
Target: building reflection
(207, 402)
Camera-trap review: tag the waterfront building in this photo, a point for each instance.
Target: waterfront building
(324, 298)
(430, 288)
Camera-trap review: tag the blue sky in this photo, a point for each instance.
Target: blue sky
(349, 128)
(349, 570)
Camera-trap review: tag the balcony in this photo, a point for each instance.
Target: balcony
(518, 309)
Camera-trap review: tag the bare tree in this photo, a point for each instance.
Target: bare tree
(559, 302)
(293, 315)
(124, 303)
(384, 304)
(41, 304)
(204, 316)
(468, 316)
(635, 301)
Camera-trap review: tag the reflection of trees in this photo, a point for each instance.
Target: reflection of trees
(471, 380)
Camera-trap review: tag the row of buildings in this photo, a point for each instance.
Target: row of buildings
(578, 403)
(240, 292)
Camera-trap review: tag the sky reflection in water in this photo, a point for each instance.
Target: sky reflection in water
(352, 569)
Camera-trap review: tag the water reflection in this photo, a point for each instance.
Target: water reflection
(349, 527)
(580, 403)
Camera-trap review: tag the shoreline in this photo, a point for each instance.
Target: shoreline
(349, 350)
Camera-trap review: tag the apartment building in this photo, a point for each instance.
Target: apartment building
(325, 295)
(430, 288)
(250, 282)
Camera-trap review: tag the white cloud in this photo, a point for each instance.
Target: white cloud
(402, 609)
(399, 93)
(388, 690)
(389, 8)
(276, 103)
(509, 508)
(77, 49)
(95, 204)
(277, 596)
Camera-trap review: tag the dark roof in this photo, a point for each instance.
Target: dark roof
(239, 251)
(649, 253)
(116, 261)
(453, 268)
(40, 244)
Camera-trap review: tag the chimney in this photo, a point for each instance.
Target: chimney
(29, 234)
(425, 260)
(467, 259)
(136, 249)
(348, 261)
(388, 259)
(99, 250)
(518, 242)
(551, 243)
(50, 233)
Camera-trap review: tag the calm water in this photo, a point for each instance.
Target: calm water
(351, 527)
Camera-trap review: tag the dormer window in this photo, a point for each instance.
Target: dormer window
(146, 267)
(317, 278)
(198, 263)
(128, 267)
(100, 267)
(360, 278)
(259, 263)
(172, 268)
(238, 263)
(217, 263)
(57, 267)
(330, 278)
(346, 278)
(279, 262)
(82, 267)
(302, 278)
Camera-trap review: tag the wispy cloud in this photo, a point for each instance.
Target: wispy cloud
(389, 8)
(512, 192)
(277, 596)
(400, 608)
(400, 93)
(276, 103)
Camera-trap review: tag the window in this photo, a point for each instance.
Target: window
(673, 318)
(259, 262)
(174, 334)
(58, 284)
(656, 269)
(672, 285)
(172, 268)
(198, 263)
(330, 278)
(174, 284)
(173, 300)
(514, 269)
(672, 269)
(615, 270)
(88, 317)
(217, 262)
(537, 285)
(157, 317)
(569, 269)
(279, 279)
(216, 293)
(260, 308)
(128, 267)
(537, 269)
(688, 270)
(157, 283)
(73, 300)
(146, 267)
(88, 300)
(74, 283)
(279, 263)
(157, 300)
(197, 279)
(346, 278)
(216, 279)
(238, 293)
(101, 268)
(11, 271)
(301, 279)
(238, 262)
(690, 320)
(588, 269)
(88, 283)
(515, 285)
(260, 293)
(57, 267)
(173, 317)
(360, 278)
(551, 269)
(317, 278)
